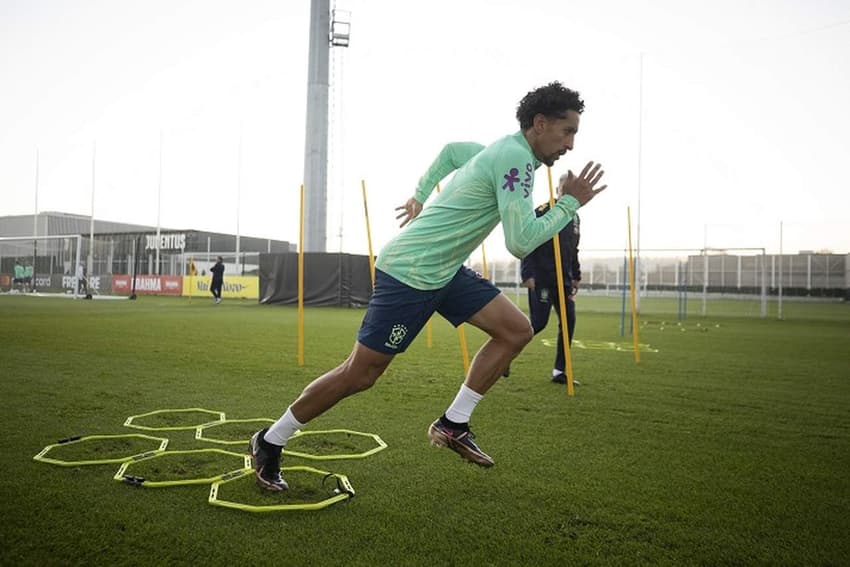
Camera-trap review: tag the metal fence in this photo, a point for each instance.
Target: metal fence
(715, 271)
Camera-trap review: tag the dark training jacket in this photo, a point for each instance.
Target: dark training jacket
(540, 264)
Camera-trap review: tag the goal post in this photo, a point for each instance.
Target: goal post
(737, 273)
(41, 264)
(699, 281)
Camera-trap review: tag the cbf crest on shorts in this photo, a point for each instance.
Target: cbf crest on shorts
(396, 337)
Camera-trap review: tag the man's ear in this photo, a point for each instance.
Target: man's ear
(539, 123)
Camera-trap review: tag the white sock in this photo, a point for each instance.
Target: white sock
(282, 429)
(465, 402)
(555, 372)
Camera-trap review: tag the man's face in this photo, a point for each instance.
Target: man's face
(555, 136)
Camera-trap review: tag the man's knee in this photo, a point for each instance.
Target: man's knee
(364, 370)
(366, 379)
(522, 334)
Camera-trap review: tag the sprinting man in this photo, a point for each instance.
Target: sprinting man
(217, 282)
(421, 271)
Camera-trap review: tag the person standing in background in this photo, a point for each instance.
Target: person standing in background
(217, 282)
(82, 283)
(539, 275)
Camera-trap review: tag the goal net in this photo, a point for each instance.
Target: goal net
(45, 265)
(683, 282)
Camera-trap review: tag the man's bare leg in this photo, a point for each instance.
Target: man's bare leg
(359, 372)
(509, 332)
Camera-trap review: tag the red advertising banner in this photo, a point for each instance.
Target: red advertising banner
(121, 285)
(148, 285)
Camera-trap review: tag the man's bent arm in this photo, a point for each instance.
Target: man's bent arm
(524, 231)
(450, 158)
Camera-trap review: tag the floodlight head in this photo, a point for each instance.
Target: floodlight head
(340, 28)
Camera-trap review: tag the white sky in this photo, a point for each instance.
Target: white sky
(745, 111)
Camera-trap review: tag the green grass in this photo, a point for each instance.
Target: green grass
(730, 445)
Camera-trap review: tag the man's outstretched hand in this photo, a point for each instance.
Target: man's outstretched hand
(583, 186)
(410, 210)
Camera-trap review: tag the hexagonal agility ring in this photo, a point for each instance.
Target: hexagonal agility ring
(202, 436)
(342, 491)
(198, 460)
(83, 439)
(380, 445)
(202, 433)
(134, 420)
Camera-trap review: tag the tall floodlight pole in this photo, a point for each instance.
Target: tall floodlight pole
(316, 141)
(639, 174)
(35, 208)
(35, 225)
(779, 298)
(158, 204)
(340, 35)
(238, 198)
(89, 264)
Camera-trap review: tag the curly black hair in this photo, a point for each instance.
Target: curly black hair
(552, 100)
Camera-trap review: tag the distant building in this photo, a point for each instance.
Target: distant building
(123, 248)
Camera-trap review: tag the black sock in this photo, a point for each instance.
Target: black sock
(265, 443)
(453, 425)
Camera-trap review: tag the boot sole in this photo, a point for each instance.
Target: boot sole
(439, 439)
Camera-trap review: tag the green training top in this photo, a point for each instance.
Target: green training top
(492, 184)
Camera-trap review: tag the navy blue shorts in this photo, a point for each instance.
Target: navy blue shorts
(397, 312)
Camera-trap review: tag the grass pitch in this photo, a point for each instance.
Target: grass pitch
(728, 444)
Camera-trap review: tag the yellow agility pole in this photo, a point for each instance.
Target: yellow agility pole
(368, 234)
(635, 326)
(191, 277)
(461, 334)
(428, 334)
(486, 272)
(464, 351)
(559, 274)
(301, 282)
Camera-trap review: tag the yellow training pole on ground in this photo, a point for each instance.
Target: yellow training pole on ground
(301, 281)
(565, 335)
(368, 235)
(461, 334)
(463, 349)
(486, 272)
(428, 333)
(191, 277)
(635, 325)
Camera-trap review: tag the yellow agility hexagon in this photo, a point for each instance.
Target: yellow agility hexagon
(337, 439)
(107, 447)
(165, 418)
(249, 498)
(182, 468)
(238, 429)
